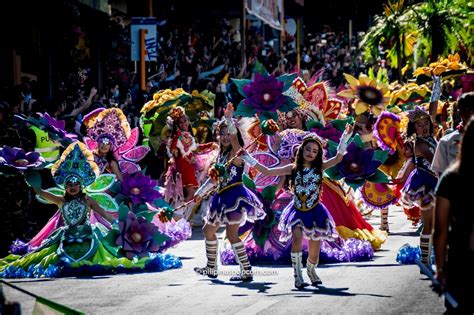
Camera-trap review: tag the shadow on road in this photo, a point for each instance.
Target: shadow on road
(27, 281)
(413, 233)
(260, 287)
(325, 291)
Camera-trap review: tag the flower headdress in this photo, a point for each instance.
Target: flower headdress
(109, 125)
(75, 165)
(176, 113)
(417, 114)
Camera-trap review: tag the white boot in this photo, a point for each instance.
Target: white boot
(311, 270)
(297, 263)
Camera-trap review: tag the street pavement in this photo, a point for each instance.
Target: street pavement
(378, 286)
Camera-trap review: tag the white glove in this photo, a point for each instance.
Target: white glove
(341, 148)
(436, 91)
(250, 160)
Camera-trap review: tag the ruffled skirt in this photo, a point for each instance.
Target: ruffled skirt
(234, 204)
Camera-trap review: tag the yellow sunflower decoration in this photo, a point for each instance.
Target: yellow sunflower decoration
(409, 94)
(369, 94)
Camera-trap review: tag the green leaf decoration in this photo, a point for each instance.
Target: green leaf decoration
(311, 123)
(381, 155)
(160, 238)
(102, 183)
(268, 193)
(111, 237)
(260, 238)
(116, 187)
(355, 183)
(260, 68)
(148, 215)
(340, 124)
(240, 83)
(331, 148)
(160, 203)
(244, 110)
(123, 212)
(248, 182)
(333, 173)
(288, 106)
(105, 201)
(379, 177)
(268, 115)
(287, 79)
(53, 190)
(358, 141)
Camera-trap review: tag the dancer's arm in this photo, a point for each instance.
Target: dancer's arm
(274, 171)
(95, 206)
(34, 180)
(114, 167)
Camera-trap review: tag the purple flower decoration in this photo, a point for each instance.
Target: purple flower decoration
(328, 132)
(139, 188)
(57, 124)
(137, 236)
(17, 158)
(359, 164)
(264, 93)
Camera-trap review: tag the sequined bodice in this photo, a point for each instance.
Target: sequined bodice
(233, 175)
(420, 161)
(307, 189)
(75, 212)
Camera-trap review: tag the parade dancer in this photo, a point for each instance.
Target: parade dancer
(420, 185)
(78, 245)
(306, 217)
(181, 147)
(232, 204)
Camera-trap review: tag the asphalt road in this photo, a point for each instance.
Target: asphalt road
(378, 286)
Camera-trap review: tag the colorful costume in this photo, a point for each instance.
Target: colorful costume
(233, 203)
(111, 126)
(78, 247)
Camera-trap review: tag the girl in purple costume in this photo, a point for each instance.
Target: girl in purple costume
(306, 217)
(420, 186)
(231, 205)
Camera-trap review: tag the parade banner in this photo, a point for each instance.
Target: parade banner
(149, 24)
(268, 11)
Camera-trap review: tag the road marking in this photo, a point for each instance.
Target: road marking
(256, 307)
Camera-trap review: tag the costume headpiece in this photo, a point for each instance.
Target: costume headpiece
(417, 114)
(312, 137)
(176, 113)
(109, 125)
(75, 165)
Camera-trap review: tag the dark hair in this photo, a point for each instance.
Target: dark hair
(299, 161)
(411, 130)
(466, 102)
(239, 138)
(466, 154)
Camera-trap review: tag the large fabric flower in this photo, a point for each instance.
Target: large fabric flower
(444, 66)
(139, 188)
(359, 164)
(409, 94)
(265, 95)
(138, 237)
(17, 158)
(369, 94)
